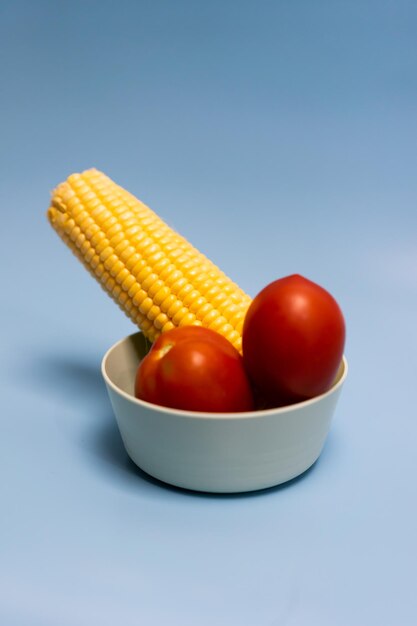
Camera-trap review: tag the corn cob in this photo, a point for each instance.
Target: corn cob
(155, 276)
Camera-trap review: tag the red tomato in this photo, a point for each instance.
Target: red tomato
(195, 369)
(293, 340)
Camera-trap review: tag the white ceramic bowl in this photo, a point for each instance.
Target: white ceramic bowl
(215, 452)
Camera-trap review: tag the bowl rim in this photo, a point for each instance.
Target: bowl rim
(212, 415)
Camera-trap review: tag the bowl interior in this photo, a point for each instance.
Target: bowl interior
(122, 359)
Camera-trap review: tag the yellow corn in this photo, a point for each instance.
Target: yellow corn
(156, 276)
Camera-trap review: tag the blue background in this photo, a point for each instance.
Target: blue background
(279, 137)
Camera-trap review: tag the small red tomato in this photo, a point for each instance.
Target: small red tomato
(293, 340)
(195, 369)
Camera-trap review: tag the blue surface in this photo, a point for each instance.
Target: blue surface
(279, 137)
